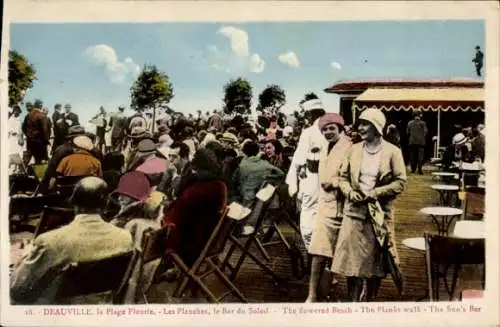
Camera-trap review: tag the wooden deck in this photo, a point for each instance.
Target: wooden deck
(258, 287)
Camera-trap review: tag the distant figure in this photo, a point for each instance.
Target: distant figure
(118, 124)
(58, 125)
(392, 135)
(478, 60)
(417, 134)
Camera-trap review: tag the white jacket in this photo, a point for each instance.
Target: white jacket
(310, 138)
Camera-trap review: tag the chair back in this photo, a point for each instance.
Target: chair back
(154, 244)
(32, 205)
(68, 180)
(261, 206)
(443, 252)
(99, 276)
(219, 237)
(53, 218)
(22, 184)
(474, 202)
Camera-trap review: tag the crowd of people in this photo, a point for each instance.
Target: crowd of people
(183, 171)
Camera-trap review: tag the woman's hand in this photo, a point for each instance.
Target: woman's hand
(370, 196)
(356, 197)
(327, 187)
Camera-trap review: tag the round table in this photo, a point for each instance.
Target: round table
(418, 244)
(444, 190)
(442, 217)
(469, 229)
(444, 174)
(415, 243)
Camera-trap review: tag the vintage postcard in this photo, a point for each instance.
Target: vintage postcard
(253, 163)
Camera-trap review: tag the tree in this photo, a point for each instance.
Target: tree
(22, 74)
(272, 97)
(237, 96)
(151, 90)
(309, 96)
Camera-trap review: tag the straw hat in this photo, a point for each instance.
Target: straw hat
(375, 117)
(83, 142)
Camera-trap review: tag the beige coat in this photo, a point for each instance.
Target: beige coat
(330, 204)
(88, 237)
(357, 252)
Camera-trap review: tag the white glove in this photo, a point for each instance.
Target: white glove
(292, 190)
(69, 122)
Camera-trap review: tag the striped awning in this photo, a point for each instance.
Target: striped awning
(423, 99)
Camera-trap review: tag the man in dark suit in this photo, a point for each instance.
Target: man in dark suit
(70, 118)
(36, 129)
(58, 120)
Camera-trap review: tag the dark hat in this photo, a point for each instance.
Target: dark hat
(146, 145)
(75, 131)
(121, 108)
(57, 106)
(38, 104)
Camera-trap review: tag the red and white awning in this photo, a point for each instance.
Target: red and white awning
(423, 99)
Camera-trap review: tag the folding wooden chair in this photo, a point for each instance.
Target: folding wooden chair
(443, 253)
(473, 202)
(153, 248)
(66, 184)
(100, 276)
(245, 242)
(283, 213)
(53, 218)
(24, 208)
(208, 257)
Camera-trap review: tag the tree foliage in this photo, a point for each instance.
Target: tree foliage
(22, 74)
(237, 96)
(273, 96)
(151, 90)
(309, 96)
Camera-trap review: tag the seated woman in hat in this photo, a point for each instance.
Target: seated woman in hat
(148, 161)
(273, 153)
(139, 211)
(373, 171)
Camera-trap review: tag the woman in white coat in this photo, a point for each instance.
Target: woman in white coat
(330, 202)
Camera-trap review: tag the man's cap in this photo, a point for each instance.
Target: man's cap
(75, 131)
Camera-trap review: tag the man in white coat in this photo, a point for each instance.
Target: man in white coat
(302, 178)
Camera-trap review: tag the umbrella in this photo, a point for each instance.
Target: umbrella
(380, 229)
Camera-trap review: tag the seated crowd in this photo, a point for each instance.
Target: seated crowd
(185, 184)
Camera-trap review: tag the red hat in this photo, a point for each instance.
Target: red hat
(330, 118)
(134, 184)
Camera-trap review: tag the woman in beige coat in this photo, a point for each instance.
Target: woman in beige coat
(330, 201)
(373, 170)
